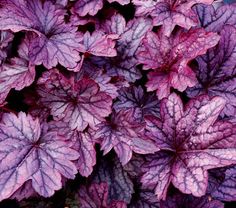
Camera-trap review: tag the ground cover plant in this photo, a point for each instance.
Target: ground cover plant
(117, 103)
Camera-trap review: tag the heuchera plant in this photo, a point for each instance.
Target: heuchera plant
(117, 103)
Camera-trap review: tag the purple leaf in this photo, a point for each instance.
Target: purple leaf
(89, 70)
(96, 195)
(120, 185)
(51, 40)
(144, 199)
(131, 35)
(191, 142)
(215, 178)
(24, 192)
(170, 13)
(226, 190)
(181, 200)
(60, 3)
(122, 2)
(17, 74)
(82, 142)
(84, 7)
(214, 19)
(115, 25)
(42, 156)
(133, 166)
(169, 58)
(5, 38)
(99, 44)
(144, 7)
(217, 71)
(78, 103)
(125, 135)
(135, 98)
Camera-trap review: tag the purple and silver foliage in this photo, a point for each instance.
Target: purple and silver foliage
(117, 103)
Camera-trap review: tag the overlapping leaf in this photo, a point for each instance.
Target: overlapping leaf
(144, 198)
(89, 70)
(17, 74)
(214, 19)
(216, 73)
(99, 44)
(170, 13)
(84, 7)
(226, 190)
(96, 195)
(131, 34)
(79, 103)
(24, 192)
(141, 102)
(42, 156)
(5, 38)
(110, 171)
(191, 141)
(122, 2)
(181, 200)
(52, 41)
(82, 142)
(169, 58)
(125, 135)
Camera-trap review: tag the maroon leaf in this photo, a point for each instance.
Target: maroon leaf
(125, 135)
(79, 103)
(42, 156)
(169, 58)
(191, 141)
(217, 71)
